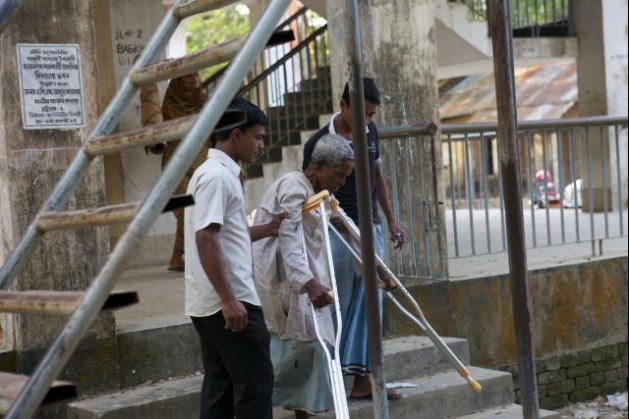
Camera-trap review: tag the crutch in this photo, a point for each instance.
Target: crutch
(334, 364)
(419, 318)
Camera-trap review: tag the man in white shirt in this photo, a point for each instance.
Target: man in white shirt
(221, 298)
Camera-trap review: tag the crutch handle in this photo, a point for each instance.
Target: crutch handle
(314, 201)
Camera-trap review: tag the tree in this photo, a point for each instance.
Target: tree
(215, 27)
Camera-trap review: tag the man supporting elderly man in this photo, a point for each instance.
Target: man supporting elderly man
(236, 290)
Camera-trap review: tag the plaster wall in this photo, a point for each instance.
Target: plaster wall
(576, 307)
(133, 22)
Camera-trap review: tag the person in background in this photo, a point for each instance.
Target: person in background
(354, 348)
(220, 295)
(290, 275)
(184, 96)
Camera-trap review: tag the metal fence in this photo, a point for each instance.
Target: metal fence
(574, 185)
(292, 83)
(530, 18)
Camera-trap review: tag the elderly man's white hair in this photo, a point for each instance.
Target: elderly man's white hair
(332, 150)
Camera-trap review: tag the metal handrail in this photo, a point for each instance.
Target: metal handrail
(474, 127)
(213, 79)
(294, 51)
(541, 124)
(293, 17)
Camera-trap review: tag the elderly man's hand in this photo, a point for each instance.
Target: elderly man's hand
(318, 294)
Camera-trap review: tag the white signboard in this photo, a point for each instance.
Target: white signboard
(50, 86)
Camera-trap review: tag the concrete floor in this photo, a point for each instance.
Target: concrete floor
(162, 292)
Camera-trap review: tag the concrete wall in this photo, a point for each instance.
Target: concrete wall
(577, 311)
(132, 173)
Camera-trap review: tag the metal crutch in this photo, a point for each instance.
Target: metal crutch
(334, 364)
(419, 318)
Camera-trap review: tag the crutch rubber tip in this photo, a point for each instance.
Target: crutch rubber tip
(476, 388)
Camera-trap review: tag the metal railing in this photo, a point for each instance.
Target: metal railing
(530, 18)
(294, 87)
(575, 200)
(555, 174)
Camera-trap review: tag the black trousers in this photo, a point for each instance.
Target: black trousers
(238, 370)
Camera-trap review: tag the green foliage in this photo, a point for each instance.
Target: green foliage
(215, 27)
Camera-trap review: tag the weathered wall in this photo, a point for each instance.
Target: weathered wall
(31, 162)
(576, 310)
(132, 173)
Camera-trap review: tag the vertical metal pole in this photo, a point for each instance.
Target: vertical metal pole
(509, 158)
(359, 138)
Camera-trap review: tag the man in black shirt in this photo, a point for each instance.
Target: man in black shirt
(354, 350)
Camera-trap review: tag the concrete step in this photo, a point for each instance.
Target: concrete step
(154, 354)
(436, 396)
(168, 399)
(511, 411)
(413, 356)
(147, 354)
(442, 395)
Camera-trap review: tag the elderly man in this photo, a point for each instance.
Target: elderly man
(290, 275)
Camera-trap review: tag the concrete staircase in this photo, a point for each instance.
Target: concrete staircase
(299, 111)
(159, 364)
(154, 356)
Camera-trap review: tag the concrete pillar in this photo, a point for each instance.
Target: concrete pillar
(31, 163)
(601, 27)
(132, 173)
(399, 50)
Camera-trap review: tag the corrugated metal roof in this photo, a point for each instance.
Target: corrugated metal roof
(546, 91)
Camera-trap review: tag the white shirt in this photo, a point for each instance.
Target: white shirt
(219, 199)
(285, 263)
(332, 129)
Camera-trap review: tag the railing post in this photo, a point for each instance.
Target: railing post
(357, 99)
(508, 150)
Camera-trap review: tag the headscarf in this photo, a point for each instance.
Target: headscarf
(180, 102)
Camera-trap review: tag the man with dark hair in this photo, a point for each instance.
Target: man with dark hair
(221, 298)
(354, 348)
